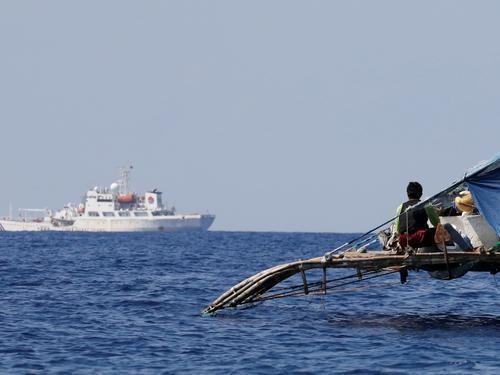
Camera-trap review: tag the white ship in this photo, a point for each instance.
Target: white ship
(113, 209)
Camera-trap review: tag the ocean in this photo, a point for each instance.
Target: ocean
(131, 303)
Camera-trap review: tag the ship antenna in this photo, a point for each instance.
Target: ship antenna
(124, 189)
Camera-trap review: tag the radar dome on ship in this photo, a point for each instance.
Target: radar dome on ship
(114, 187)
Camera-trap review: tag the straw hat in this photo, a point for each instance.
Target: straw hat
(464, 202)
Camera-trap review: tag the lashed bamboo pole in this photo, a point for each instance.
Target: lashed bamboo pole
(243, 285)
(251, 288)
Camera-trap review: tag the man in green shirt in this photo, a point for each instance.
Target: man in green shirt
(411, 222)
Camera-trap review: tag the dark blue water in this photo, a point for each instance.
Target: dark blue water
(115, 303)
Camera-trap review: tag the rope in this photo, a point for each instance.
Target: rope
(301, 286)
(354, 242)
(362, 248)
(320, 292)
(292, 293)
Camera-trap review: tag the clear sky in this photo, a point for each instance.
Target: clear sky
(274, 115)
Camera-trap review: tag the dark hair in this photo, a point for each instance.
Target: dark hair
(414, 190)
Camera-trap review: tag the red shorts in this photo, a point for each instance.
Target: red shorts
(420, 238)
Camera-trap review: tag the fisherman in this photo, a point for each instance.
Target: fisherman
(411, 223)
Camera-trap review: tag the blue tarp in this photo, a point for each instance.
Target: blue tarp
(485, 188)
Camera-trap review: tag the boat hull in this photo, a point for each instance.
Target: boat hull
(172, 223)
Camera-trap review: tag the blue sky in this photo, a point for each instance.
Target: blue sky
(274, 115)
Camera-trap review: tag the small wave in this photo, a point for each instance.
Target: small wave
(418, 321)
(139, 303)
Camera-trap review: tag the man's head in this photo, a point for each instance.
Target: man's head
(414, 190)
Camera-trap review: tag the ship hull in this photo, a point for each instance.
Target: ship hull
(172, 223)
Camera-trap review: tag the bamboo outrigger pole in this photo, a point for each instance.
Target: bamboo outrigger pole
(254, 288)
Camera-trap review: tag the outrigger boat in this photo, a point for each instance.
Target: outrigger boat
(482, 230)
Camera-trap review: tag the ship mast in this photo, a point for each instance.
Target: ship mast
(125, 171)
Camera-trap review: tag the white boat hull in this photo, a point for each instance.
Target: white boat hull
(172, 223)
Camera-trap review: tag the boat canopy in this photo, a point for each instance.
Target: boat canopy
(483, 182)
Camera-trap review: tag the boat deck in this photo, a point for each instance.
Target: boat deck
(378, 259)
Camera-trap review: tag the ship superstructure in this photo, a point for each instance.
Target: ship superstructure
(114, 209)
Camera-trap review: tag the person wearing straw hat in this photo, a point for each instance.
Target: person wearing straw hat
(465, 203)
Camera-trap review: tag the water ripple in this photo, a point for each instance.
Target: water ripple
(115, 303)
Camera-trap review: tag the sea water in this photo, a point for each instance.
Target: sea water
(118, 303)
